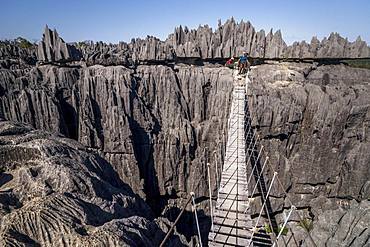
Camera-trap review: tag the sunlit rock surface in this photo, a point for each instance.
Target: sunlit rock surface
(137, 137)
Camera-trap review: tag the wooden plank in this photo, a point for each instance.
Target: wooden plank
(232, 231)
(240, 197)
(242, 224)
(216, 243)
(231, 240)
(222, 212)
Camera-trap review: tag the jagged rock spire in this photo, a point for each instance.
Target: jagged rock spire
(232, 38)
(229, 39)
(53, 48)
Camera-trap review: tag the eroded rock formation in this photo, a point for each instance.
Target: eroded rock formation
(154, 127)
(229, 39)
(314, 121)
(53, 48)
(141, 122)
(55, 192)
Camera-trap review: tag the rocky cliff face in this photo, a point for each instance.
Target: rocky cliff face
(16, 54)
(301, 110)
(145, 122)
(314, 122)
(154, 127)
(55, 192)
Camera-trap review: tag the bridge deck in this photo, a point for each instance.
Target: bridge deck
(232, 223)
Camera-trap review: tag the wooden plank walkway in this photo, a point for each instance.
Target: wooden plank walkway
(232, 223)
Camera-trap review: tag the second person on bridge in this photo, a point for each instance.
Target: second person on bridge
(243, 63)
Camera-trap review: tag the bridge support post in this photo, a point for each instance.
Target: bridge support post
(196, 218)
(210, 196)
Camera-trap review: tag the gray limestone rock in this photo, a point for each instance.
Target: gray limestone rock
(314, 124)
(17, 54)
(144, 123)
(155, 127)
(229, 39)
(55, 192)
(347, 225)
(52, 48)
(156, 124)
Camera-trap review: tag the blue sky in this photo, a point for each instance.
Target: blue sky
(115, 20)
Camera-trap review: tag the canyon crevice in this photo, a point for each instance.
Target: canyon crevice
(97, 131)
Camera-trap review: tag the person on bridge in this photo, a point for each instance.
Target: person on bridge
(243, 63)
(230, 63)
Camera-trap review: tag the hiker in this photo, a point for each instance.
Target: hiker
(230, 63)
(243, 63)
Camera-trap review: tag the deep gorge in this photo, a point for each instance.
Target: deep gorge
(154, 125)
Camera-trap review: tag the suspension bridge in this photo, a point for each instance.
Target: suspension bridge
(243, 180)
(232, 224)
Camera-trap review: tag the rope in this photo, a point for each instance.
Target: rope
(217, 176)
(174, 224)
(251, 153)
(236, 118)
(255, 165)
(285, 222)
(253, 147)
(267, 161)
(263, 205)
(249, 129)
(210, 196)
(228, 211)
(237, 170)
(246, 136)
(259, 176)
(288, 197)
(291, 203)
(196, 218)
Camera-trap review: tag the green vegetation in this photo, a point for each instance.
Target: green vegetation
(23, 43)
(306, 224)
(269, 230)
(363, 63)
(81, 44)
(20, 42)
